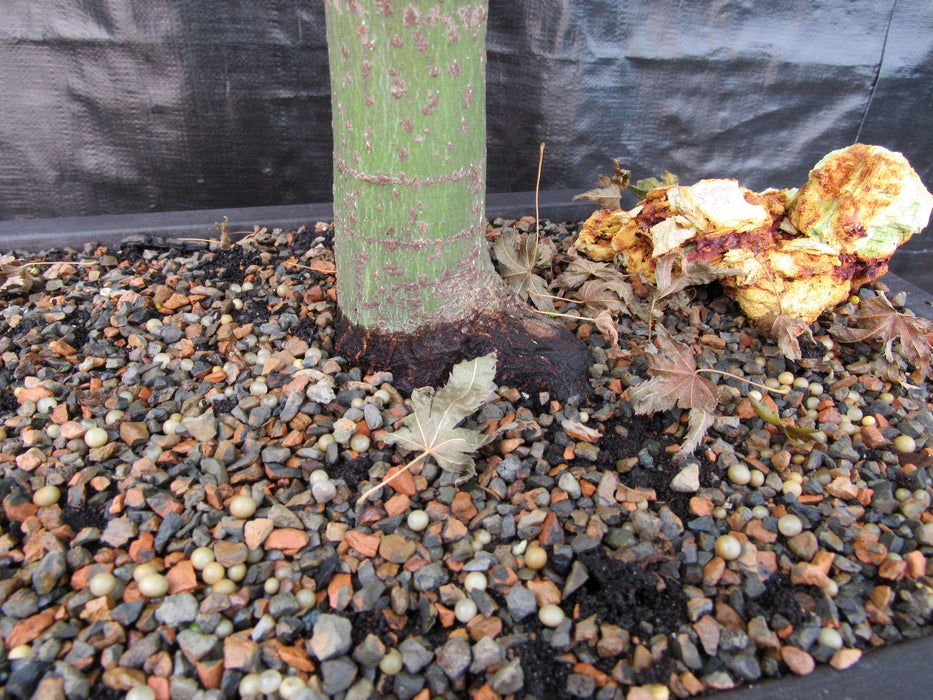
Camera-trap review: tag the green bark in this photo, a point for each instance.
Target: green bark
(408, 91)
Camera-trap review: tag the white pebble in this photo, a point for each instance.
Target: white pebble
(142, 571)
(739, 474)
(140, 692)
(242, 507)
(290, 687)
(830, 638)
(465, 610)
(418, 520)
(213, 572)
(102, 584)
(324, 491)
(249, 685)
(271, 586)
(237, 572)
(551, 615)
(790, 525)
(46, 496)
(317, 476)
(728, 547)
(269, 681)
(201, 557)
(20, 651)
(153, 586)
(96, 437)
(391, 663)
(475, 581)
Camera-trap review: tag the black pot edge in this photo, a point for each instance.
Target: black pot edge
(899, 671)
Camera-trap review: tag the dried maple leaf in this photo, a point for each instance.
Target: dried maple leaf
(580, 269)
(615, 296)
(608, 192)
(644, 186)
(606, 325)
(14, 279)
(879, 320)
(671, 279)
(785, 330)
(675, 381)
(431, 428)
(518, 257)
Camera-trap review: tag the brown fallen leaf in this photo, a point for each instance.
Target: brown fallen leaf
(675, 381)
(879, 320)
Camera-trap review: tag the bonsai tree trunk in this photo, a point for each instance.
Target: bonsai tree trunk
(416, 288)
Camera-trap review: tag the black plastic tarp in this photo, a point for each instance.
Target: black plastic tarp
(116, 106)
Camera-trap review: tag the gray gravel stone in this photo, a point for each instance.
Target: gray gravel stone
(510, 678)
(338, 674)
(430, 576)
(521, 602)
(486, 653)
(49, 572)
(414, 655)
(370, 651)
(195, 646)
(177, 609)
(141, 650)
(454, 657)
(331, 637)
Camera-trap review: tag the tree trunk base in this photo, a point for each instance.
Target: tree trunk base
(535, 353)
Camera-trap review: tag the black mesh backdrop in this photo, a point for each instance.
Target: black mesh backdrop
(118, 106)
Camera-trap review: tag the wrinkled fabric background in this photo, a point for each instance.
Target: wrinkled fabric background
(120, 106)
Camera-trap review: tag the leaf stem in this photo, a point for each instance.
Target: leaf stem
(389, 479)
(782, 391)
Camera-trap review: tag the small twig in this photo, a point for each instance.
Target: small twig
(782, 391)
(389, 479)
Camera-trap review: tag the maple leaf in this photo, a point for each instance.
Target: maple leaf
(615, 296)
(431, 428)
(518, 256)
(608, 192)
(580, 269)
(785, 330)
(879, 320)
(645, 185)
(606, 325)
(675, 381)
(14, 279)
(669, 282)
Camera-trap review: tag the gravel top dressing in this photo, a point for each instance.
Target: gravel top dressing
(183, 454)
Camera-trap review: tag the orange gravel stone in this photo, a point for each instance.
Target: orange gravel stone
(916, 564)
(403, 483)
(545, 590)
(28, 629)
(182, 577)
(480, 627)
(367, 545)
(297, 658)
(462, 507)
(256, 531)
(397, 504)
(239, 652)
(797, 660)
(844, 658)
(141, 548)
(288, 539)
